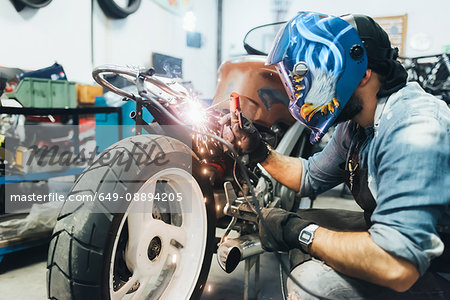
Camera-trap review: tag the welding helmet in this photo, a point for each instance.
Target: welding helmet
(321, 60)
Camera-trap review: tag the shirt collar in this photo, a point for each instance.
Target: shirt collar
(379, 110)
(385, 102)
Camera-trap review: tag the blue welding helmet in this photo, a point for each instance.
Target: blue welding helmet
(321, 60)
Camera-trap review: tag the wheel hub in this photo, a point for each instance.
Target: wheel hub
(154, 249)
(151, 227)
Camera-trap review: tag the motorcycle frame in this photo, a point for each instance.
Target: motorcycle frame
(284, 147)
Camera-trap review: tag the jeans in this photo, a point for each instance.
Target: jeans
(325, 282)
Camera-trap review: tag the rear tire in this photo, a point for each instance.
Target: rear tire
(82, 253)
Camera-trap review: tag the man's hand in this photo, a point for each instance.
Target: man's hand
(284, 229)
(247, 140)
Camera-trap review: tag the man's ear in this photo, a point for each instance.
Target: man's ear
(366, 78)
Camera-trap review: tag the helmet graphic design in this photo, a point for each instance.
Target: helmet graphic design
(321, 60)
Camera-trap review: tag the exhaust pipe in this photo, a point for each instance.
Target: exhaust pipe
(232, 251)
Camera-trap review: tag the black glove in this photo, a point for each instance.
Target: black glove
(247, 140)
(284, 227)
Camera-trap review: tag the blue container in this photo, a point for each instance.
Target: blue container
(106, 130)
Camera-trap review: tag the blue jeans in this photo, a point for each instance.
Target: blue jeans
(322, 280)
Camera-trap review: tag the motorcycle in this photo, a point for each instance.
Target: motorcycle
(154, 249)
(431, 72)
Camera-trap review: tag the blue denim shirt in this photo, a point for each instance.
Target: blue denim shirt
(407, 154)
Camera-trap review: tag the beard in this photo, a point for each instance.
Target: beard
(351, 109)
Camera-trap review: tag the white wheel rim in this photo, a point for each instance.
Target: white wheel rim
(184, 263)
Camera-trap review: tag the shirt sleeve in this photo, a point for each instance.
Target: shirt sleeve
(412, 177)
(321, 171)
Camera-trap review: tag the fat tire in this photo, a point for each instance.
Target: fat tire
(114, 11)
(80, 247)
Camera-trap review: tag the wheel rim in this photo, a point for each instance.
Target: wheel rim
(162, 251)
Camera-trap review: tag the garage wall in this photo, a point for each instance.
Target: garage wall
(61, 32)
(429, 18)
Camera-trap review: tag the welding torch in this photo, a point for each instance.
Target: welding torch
(235, 109)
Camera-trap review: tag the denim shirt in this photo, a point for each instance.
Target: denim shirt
(407, 154)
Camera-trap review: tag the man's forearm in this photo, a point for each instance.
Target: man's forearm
(284, 169)
(356, 255)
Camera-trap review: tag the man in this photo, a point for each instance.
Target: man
(391, 147)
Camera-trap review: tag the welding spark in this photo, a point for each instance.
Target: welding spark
(203, 120)
(195, 113)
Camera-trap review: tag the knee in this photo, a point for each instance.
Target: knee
(314, 277)
(320, 280)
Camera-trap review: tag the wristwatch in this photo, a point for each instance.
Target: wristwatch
(306, 236)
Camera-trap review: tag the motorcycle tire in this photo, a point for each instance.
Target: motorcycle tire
(19, 5)
(115, 11)
(89, 244)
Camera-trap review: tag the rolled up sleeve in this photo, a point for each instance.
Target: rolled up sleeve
(399, 245)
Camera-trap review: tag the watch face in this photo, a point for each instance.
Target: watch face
(305, 237)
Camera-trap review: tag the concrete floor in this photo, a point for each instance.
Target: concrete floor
(22, 274)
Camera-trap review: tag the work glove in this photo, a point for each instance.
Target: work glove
(247, 140)
(284, 229)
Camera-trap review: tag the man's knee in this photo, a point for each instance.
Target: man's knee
(312, 277)
(319, 280)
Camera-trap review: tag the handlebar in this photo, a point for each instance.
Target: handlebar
(101, 70)
(98, 73)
